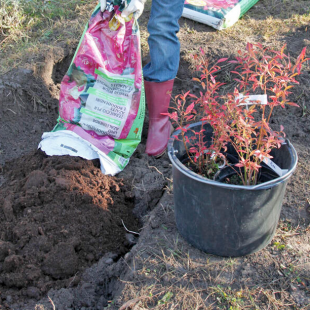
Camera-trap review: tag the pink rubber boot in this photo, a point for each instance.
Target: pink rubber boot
(158, 98)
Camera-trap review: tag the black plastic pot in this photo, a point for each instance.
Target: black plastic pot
(224, 219)
(265, 174)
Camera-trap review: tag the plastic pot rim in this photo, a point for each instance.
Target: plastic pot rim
(176, 163)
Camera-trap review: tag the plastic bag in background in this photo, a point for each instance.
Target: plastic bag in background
(101, 104)
(219, 14)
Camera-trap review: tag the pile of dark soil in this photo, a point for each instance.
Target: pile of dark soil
(58, 215)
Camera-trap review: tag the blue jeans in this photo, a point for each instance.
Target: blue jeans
(164, 45)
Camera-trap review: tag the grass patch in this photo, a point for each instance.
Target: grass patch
(167, 273)
(270, 19)
(28, 27)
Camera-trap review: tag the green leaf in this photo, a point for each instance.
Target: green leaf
(166, 298)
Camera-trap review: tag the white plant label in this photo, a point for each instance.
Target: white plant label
(253, 99)
(275, 167)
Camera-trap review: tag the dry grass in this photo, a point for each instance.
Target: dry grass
(267, 22)
(271, 19)
(166, 273)
(30, 28)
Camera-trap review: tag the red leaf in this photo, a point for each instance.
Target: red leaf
(240, 165)
(249, 46)
(174, 116)
(189, 108)
(293, 104)
(222, 60)
(302, 54)
(185, 95)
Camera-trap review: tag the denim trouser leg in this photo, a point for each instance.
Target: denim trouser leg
(164, 45)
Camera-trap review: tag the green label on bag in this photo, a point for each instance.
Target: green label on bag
(102, 95)
(101, 116)
(115, 79)
(137, 126)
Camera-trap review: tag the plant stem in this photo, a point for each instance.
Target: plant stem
(186, 149)
(271, 109)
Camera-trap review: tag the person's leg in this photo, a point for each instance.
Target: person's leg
(160, 72)
(164, 45)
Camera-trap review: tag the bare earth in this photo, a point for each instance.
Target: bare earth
(63, 243)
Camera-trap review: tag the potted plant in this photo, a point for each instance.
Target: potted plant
(230, 170)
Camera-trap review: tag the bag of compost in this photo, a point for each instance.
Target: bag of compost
(219, 14)
(101, 104)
